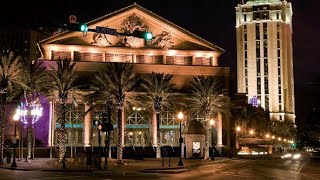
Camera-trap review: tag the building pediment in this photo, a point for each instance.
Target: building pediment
(166, 34)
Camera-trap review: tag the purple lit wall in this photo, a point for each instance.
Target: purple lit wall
(41, 127)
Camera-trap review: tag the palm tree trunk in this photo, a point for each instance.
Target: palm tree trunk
(2, 125)
(29, 132)
(119, 147)
(62, 146)
(206, 141)
(158, 152)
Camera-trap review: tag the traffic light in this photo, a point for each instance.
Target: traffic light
(142, 34)
(83, 27)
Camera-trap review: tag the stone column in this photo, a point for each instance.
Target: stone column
(219, 130)
(87, 127)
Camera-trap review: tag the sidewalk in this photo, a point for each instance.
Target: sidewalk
(148, 165)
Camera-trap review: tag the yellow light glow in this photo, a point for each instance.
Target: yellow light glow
(180, 115)
(251, 131)
(212, 122)
(172, 52)
(279, 139)
(16, 117)
(238, 128)
(273, 137)
(267, 135)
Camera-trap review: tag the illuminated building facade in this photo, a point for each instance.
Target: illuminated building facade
(174, 50)
(264, 56)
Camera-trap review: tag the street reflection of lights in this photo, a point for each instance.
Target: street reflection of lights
(238, 128)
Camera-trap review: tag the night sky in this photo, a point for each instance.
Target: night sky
(213, 20)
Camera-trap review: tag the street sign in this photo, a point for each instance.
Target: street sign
(105, 30)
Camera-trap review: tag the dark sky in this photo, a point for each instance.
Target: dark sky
(213, 20)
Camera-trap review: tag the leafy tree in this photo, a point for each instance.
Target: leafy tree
(206, 99)
(63, 82)
(285, 129)
(158, 88)
(11, 70)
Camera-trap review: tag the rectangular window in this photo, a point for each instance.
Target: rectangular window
(278, 43)
(257, 31)
(278, 35)
(246, 72)
(265, 31)
(257, 49)
(245, 63)
(245, 37)
(279, 89)
(245, 17)
(266, 102)
(258, 67)
(279, 72)
(266, 85)
(245, 45)
(265, 48)
(266, 69)
(278, 15)
(259, 85)
(279, 62)
(278, 52)
(279, 80)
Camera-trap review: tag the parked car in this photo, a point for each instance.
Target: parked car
(293, 154)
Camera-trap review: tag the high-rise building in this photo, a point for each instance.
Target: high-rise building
(264, 56)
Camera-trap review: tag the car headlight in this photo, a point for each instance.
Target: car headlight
(296, 156)
(286, 156)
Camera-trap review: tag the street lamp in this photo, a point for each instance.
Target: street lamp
(180, 117)
(99, 151)
(16, 118)
(251, 132)
(212, 123)
(238, 129)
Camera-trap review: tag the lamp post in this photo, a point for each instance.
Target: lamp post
(15, 119)
(212, 123)
(237, 137)
(180, 117)
(99, 151)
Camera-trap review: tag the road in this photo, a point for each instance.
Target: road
(234, 169)
(255, 169)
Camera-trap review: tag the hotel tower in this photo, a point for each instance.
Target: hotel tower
(264, 56)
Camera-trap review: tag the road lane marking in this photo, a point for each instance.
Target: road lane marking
(309, 176)
(301, 167)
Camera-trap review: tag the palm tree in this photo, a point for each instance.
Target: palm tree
(36, 80)
(158, 88)
(207, 100)
(63, 82)
(121, 78)
(11, 70)
(101, 95)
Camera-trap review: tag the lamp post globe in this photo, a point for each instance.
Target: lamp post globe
(180, 117)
